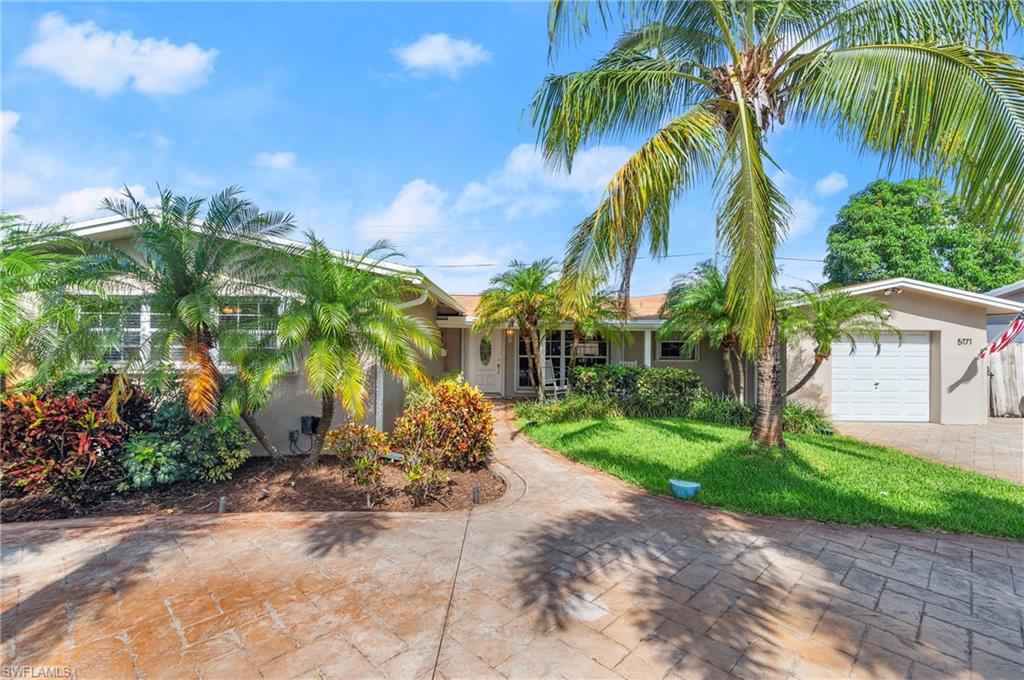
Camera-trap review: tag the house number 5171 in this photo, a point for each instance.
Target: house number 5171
(963, 341)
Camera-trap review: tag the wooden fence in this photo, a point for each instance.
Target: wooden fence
(1006, 381)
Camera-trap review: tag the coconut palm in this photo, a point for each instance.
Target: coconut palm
(919, 83)
(523, 296)
(341, 314)
(827, 317)
(695, 311)
(186, 260)
(41, 279)
(592, 312)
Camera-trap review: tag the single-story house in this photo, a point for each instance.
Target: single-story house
(932, 375)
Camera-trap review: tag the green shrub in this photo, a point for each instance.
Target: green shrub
(212, 448)
(801, 419)
(456, 428)
(715, 408)
(152, 460)
(572, 408)
(640, 391)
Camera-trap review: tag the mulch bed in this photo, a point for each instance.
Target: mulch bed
(261, 486)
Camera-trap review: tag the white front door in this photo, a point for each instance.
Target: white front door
(486, 361)
(893, 384)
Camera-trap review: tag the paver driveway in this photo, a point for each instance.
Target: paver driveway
(995, 449)
(572, 574)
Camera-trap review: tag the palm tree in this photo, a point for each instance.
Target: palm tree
(592, 313)
(186, 261)
(40, 282)
(827, 317)
(695, 311)
(342, 313)
(525, 296)
(256, 368)
(916, 82)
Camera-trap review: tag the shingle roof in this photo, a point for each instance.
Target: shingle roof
(643, 306)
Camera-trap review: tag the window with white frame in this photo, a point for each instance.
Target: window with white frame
(120, 325)
(257, 317)
(557, 351)
(674, 349)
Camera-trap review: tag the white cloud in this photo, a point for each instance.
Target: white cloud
(104, 62)
(831, 183)
(805, 216)
(8, 121)
(77, 205)
(275, 160)
(525, 186)
(440, 53)
(418, 205)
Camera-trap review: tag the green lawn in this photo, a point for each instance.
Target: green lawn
(832, 479)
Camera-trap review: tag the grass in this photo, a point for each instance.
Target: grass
(830, 479)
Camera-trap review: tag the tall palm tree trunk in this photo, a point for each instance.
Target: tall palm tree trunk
(326, 416)
(536, 377)
(768, 418)
(741, 376)
(261, 435)
(730, 379)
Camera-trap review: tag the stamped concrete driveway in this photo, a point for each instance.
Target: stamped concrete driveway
(573, 574)
(995, 449)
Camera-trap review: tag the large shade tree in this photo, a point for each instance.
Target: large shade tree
(344, 314)
(919, 83)
(186, 260)
(915, 229)
(525, 296)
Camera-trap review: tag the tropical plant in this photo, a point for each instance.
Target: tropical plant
(915, 229)
(187, 261)
(64, 445)
(212, 448)
(916, 82)
(525, 296)
(574, 407)
(341, 314)
(695, 311)
(456, 427)
(592, 313)
(256, 367)
(827, 317)
(40, 278)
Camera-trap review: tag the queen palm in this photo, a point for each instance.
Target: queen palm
(695, 311)
(525, 296)
(341, 314)
(919, 83)
(186, 260)
(828, 317)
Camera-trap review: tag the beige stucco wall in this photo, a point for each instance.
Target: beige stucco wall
(959, 386)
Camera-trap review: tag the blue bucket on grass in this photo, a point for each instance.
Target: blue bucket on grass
(684, 489)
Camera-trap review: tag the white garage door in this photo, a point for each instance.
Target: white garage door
(892, 385)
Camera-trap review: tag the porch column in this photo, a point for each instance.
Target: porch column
(648, 347)
(540, 361)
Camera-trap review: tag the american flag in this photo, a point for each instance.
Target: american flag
(1015, 327)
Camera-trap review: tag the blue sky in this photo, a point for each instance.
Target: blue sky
(401, 121)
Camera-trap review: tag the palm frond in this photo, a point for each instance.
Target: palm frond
(752, 218)
(948, 109)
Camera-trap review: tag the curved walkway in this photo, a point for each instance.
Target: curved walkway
(572, 574)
